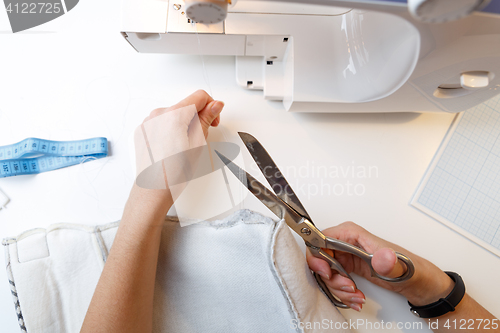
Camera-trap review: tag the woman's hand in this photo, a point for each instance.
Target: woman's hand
(170, 140)
(427, 285)
(208, 109)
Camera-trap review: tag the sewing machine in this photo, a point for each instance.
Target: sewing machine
(336, 56)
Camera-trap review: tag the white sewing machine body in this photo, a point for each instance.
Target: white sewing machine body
(360, 57)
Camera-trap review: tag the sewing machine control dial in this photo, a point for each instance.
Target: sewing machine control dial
(206, 11)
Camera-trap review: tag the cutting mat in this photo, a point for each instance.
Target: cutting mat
(462, 185)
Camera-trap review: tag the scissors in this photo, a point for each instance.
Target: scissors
(286, 205)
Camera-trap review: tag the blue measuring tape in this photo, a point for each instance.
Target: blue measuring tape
(33, 155)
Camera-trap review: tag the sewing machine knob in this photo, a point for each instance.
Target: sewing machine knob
(474, 80)
(206, 11)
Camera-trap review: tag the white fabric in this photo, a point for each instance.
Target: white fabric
(245, 273)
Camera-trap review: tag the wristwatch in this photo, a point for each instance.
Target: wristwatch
(443, 305)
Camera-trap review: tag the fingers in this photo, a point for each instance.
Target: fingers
(208, 109)
(340, 286)
(354, 300)
(345, 290)
(386, 263)
(210, 115)
(318, 265)
(216, 122)
(200, 98)
(348, 232)
(341, 283)
(335, 281)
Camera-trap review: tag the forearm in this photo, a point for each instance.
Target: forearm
(123, 299)
(467, 315)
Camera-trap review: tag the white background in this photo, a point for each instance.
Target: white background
(76, 78)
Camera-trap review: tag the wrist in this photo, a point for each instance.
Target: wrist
(429, 285)
(152, 205)
(445, 304)
(159, 197)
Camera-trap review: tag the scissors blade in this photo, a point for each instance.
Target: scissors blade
(268, 198)
(273, 174)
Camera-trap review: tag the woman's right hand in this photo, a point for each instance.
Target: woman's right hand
(427, 285)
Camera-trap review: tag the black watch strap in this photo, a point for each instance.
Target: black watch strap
(443, 305)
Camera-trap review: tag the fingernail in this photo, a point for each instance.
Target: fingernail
(323, 274)
(358, 300)
(217, 106)
(349, 289)
(355, 306)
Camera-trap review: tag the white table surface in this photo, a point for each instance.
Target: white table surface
(76, 77)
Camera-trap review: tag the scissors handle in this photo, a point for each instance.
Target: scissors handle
(335, 244)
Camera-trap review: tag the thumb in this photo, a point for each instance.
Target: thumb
(209, 114)
(386, 263)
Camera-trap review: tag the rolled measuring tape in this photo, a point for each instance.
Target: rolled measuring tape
(33, 155)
